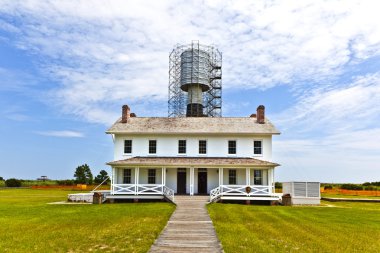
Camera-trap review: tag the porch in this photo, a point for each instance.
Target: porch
(229, 182)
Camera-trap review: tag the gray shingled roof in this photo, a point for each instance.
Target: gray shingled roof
(193, 161)
(192, 125)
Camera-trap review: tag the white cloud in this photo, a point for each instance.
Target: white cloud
(107, 53)
(332, 133)
(336, 109)
(346, 157)
(63, 134)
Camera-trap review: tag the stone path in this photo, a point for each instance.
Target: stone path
(189, 229)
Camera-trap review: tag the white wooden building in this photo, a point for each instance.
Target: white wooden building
(225, 157)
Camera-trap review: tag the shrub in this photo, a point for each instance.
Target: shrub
(370, 188)
(278, 185)
(351, 187)
(13, 182)
(328, 187)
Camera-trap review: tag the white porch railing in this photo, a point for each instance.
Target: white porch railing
(142, 189)
(123, 189)
(168, 193)
(240, 190)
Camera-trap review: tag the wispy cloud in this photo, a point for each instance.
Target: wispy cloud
(335, 109)
(63, 134)
(117, 51)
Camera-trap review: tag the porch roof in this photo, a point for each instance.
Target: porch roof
(214, 162)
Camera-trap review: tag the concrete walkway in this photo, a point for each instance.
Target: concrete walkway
(189, 229)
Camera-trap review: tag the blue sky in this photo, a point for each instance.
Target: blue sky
(66, 67)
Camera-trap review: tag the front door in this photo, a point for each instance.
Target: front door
(202, 182)
(181, 181)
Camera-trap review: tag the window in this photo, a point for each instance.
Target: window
(127, 146)
(152, 146)
(231, 147)
(127, 176)
(231, 176)
(151, 176)
(257, 148)
(182, 147)
(202, 147)
(258, 177)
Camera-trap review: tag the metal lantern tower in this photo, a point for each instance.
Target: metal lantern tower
(195, 81)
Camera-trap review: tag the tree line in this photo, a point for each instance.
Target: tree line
(82, 175)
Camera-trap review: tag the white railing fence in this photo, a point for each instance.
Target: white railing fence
(155, 189)
(240, 190)
(168, 193)
(143, 189)
(123, 189)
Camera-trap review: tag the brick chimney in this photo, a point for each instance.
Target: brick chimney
(260, 114)
(126, 114)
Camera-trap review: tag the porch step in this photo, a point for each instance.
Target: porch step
(189, 229)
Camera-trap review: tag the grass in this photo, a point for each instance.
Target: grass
(329, 195)
(337, 227)
(29, 224)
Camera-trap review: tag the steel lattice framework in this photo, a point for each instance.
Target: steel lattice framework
(212, 99)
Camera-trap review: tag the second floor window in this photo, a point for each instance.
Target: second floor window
(152, 146)
(231, 176)
(257, 148)
(182, 147)
(202, 147)
(231, 147)
(127, 146)
(151, 176)
(127, 176)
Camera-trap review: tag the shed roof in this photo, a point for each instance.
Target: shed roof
(193, 161)
(193, 125)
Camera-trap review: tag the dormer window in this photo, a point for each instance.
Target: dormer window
(127, 146)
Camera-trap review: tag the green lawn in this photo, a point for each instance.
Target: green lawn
(332, 227)
(29, 224)
(329, 195)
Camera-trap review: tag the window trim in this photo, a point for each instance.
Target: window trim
(262, 147)
(181, 154)
(228, 148)
(203, 154)
(149, 140)
(130, 139)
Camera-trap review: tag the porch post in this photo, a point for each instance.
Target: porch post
(220, 176)
(136, 180)
(191, 181)
(248, 175)
(163, 176)
(112, 180)
(270, 180)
